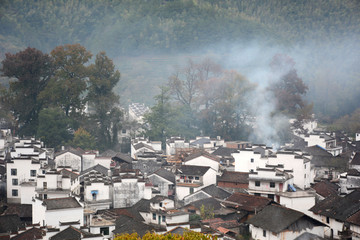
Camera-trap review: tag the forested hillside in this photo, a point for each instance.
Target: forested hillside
(147, 38)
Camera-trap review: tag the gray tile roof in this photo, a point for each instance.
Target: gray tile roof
(141, 145)
(126, 224)
(202, 153)
(61, 203)
(192, 170)
(276, 219)
(216, 192)
(10, 223)
(356, 159)
(170, 176)
(72, 233)
(224, 151)
(31, 234)
(339, 208)
(98, 168)
(235, 177)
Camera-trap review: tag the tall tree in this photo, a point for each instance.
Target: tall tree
(103, 102)
(159, 121)
(54, 127)
(67, 86)
(288, 88)
(31, 70)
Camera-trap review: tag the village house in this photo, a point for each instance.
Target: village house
(163, 181)
(69, 158)
(324, 165)
(57, 211)
(278, 222)
(203, 159)
(161, 211)
(142, 145)
(233, 181)
(128, 189)
(246, 205)
(227, 161)
(96, 189)
(190, 178)
(175, 144)
(336, 213)
(57, 184)
(206, 192)
(270, 180)
(248, 159)
(19, 170)
(298, 163)
(324, 140)
(325, 189)
(207, 143)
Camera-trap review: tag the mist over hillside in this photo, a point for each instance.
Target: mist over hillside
(148, 39)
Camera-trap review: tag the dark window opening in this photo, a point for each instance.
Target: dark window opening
(104, 230)
(257, 183)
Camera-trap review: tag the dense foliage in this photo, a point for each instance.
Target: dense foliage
(145, 39)
(53, 95)
(188, 235)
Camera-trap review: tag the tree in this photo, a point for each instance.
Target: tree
(54, 127)
(66, 88)
(288, 88)
(32, 70)
(103, 101)
(83, 140)
(159, 120)
(188, 235)
(206, 212)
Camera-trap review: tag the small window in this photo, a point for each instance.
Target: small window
(104, 231)
(123, 130)
(32, 173)
(45, 185)
(257, 183)
(264, 233)
(45, 196)
(305, 166)
(327, 220)
(15, 182)
(14, 193)
(154, 216)
(191, 177)
(94, 196)
(160, 204)
(252, 160)
(191, 190)
(272, 184)
(304, 175)
(164, 218)
(13, 171)
(197, 178)
(257, 194)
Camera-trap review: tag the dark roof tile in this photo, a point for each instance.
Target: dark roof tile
(325, 188)
(192, 170)
(248, 202)
(61, 203)
(276, 218)
(235, 177)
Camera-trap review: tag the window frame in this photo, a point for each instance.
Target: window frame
(32, 173)
(14, 191)
(15, 182)
(272, 184)
(257, 183)
(13, 172)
